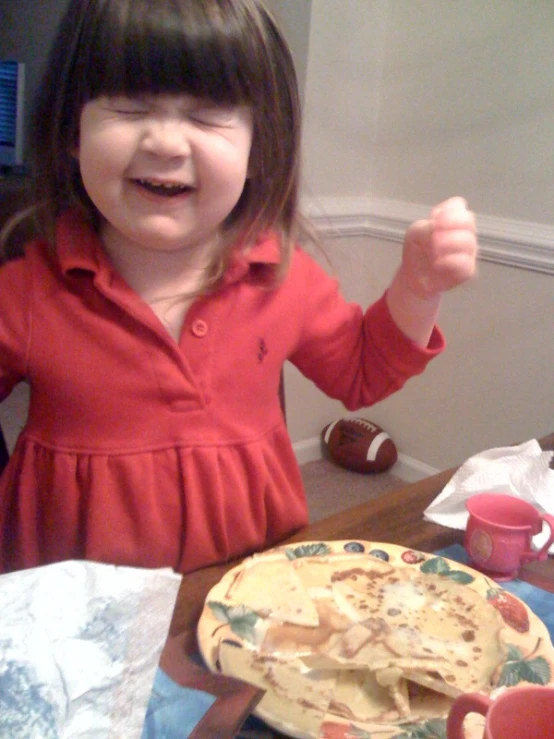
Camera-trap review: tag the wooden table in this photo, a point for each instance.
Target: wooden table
(395, 517)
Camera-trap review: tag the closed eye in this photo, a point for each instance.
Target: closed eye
(213, 116)
(127, 106)
(125, 111)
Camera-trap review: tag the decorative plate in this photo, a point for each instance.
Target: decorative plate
(230, 634)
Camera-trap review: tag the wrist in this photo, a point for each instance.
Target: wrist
(415, 289)
(415, 314)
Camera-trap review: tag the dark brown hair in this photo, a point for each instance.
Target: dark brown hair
(229, 51)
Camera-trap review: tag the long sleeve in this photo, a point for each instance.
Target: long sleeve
(351, 356)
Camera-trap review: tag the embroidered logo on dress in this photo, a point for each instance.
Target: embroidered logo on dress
(262, 350)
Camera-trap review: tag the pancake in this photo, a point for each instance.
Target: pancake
(303, 697)
(317, 573)
(359, 697)
(350, 637)
(287, 639)
(271, 586)
(439, 633)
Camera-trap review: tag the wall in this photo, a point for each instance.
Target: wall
(294, 18)
(468, 102)
(415, 99)
(409, 102)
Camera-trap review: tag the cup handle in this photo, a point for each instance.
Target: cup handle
(542, 553)
(468, 703)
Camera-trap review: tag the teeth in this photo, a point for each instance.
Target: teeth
(159, 183)
(168, 188)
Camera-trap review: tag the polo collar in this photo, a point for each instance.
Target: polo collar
(266, 252)
(79, 248)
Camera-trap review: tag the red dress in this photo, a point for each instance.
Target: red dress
(142, 451)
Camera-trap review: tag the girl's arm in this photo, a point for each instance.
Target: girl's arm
(439, 253)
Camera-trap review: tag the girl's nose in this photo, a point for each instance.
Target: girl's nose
(167, 138)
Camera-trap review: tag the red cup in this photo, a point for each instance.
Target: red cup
(520, 713)
(499, 533)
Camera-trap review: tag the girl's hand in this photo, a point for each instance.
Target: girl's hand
(441, 252)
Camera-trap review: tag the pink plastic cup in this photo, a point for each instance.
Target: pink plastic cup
(499, 533)
(519, 713)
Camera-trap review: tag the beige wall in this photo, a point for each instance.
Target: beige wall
(294, 17)
(416, 100)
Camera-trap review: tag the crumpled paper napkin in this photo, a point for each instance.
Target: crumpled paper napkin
(80, 643)
(522, 471)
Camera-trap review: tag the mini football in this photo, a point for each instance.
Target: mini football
(359, 445)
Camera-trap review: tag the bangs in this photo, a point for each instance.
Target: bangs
(140, 47)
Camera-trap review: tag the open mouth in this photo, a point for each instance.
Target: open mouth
(165, 189)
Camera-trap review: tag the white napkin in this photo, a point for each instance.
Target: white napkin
(522, 471)
(80, 643)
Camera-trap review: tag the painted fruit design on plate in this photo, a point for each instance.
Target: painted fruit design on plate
(511, 609)
(411, 557)
(354, 546)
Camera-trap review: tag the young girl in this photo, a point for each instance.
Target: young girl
(153, 315)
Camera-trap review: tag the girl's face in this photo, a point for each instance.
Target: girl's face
(164, 171)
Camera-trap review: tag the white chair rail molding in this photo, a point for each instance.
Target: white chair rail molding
(514, 243)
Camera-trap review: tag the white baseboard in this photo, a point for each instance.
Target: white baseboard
(308, 450)
(406, 468)
(411, 470)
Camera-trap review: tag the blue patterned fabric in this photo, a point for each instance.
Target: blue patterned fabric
(541, 602)
(174, 711)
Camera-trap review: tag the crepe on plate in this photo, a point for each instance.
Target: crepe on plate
(430, 629)
(352, 636)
